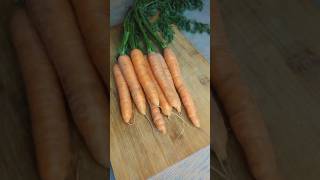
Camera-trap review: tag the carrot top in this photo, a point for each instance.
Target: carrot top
(126, 34)
(142, 33)
(147, 41)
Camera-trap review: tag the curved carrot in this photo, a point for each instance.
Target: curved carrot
(50, 123)
(81, 84)
(139, 64)
(161, 78)
(136, 91)
(92, 18)
(158, 119)
(124, 94)
(164, 105)
(186, 98)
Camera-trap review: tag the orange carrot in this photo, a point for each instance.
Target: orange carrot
(244, 116)
(167, 72)
(92, 18)
(81, 84)
(124, 94)
(164, 105)
(147, 84)
(129, 74)
(158, 119)
(185, 95)
(50, 124)
(173, 99)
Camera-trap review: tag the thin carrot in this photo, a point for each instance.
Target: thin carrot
(170, 79)
(185, 95)
(164, 105)
(244, 117)
(140, 66)
(167, 72)
(50, 123)
(92, 19)
(158, 119)
(57, 26)
(169, 92)
(124, 94)
(130, 76)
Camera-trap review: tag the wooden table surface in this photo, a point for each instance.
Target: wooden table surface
(138, 154)
(17, 159)
(277, 46)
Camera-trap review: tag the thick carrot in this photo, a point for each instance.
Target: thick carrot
(140, 66)
(164, 105)
(56, 24)
(169, 92)
(50, 123)
(92, 18)
(130, 76)
(124, 94)
(158, 119)
(185, 95)
(244, 117)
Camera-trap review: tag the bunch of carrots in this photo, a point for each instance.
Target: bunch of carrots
(153, 79)
(61, 47)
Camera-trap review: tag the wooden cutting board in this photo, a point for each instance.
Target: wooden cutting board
(137, 153)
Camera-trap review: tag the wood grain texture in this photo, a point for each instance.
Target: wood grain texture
(138, 154)
(17, 159)
(277, 46)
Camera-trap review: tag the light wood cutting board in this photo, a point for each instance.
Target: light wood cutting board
(138, 154)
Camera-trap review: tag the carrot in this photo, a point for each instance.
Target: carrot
(92, 19)
(169, 92)
(50, 125)
(124, 94)
(185, 95)
(147, 84)
(129, 74)
(158, 119)
(244, 117)
(164, 105)
(167, 72)
(84, 91)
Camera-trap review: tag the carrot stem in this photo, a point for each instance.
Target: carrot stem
(123, 46)
(146, 23)
(149, 45)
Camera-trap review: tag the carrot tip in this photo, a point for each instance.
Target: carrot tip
(163, 130)
(197, 124)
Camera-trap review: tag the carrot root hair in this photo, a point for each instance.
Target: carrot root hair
(150, 123)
